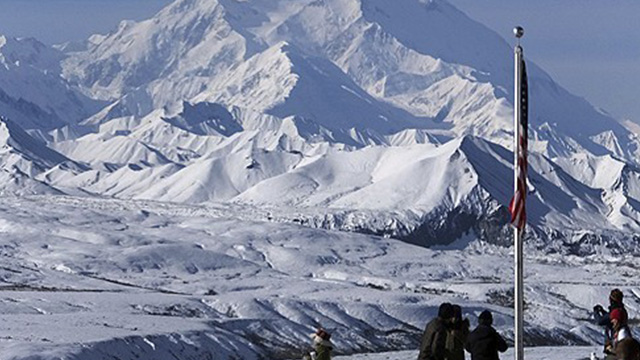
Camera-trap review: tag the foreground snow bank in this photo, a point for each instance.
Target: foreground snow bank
(537, 353)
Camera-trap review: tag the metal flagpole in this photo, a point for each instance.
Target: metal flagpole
(517, 233)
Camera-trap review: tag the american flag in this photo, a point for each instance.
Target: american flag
(517, 206)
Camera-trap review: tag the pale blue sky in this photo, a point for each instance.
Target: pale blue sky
(57, 21)
(592, 47)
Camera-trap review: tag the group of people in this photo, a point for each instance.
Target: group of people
(447, 337)
(619, 344)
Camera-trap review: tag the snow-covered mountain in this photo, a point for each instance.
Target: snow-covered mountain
(23, 158)
(425, 57)
(32, 91)
(391, 118)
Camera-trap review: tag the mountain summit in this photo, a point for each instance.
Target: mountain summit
(425, 58)
(391, 117)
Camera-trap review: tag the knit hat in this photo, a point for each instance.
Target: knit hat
(618, 315)
(323, 334)
(485, 318)
(616, 296)
(445, 311)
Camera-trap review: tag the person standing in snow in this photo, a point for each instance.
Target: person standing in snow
(484, 342)
(433, 344)
(322, 345)
(603, 318)
(625, 347)
(457, 335)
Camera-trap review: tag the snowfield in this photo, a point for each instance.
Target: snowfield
(87, 278)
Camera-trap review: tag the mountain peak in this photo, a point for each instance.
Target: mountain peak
(29, 52)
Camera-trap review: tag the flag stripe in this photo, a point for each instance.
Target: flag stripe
(517, 207)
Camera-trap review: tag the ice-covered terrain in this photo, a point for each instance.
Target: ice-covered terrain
(94, 279)
(227, 175)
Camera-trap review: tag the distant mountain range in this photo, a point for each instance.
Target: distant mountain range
(385, 117)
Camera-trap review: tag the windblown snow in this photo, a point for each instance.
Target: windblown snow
(227, 175)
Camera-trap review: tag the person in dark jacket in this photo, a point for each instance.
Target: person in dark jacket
(457, 335)
(434, 337)
(603, 318)
(484, 342)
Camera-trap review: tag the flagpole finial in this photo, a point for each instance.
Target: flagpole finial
(518, 31)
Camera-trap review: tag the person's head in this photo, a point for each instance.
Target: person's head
(485, 318)
(323, 334)
(616, 296)
(445, 311)
(618, 318)
(457, 313)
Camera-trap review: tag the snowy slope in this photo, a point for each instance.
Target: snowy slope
(32, 92)
(296, 79)
(23, 159)
(139, 279)
(397, 191)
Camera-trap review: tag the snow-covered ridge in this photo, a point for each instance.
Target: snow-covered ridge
(23, 158)
(32, 91)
